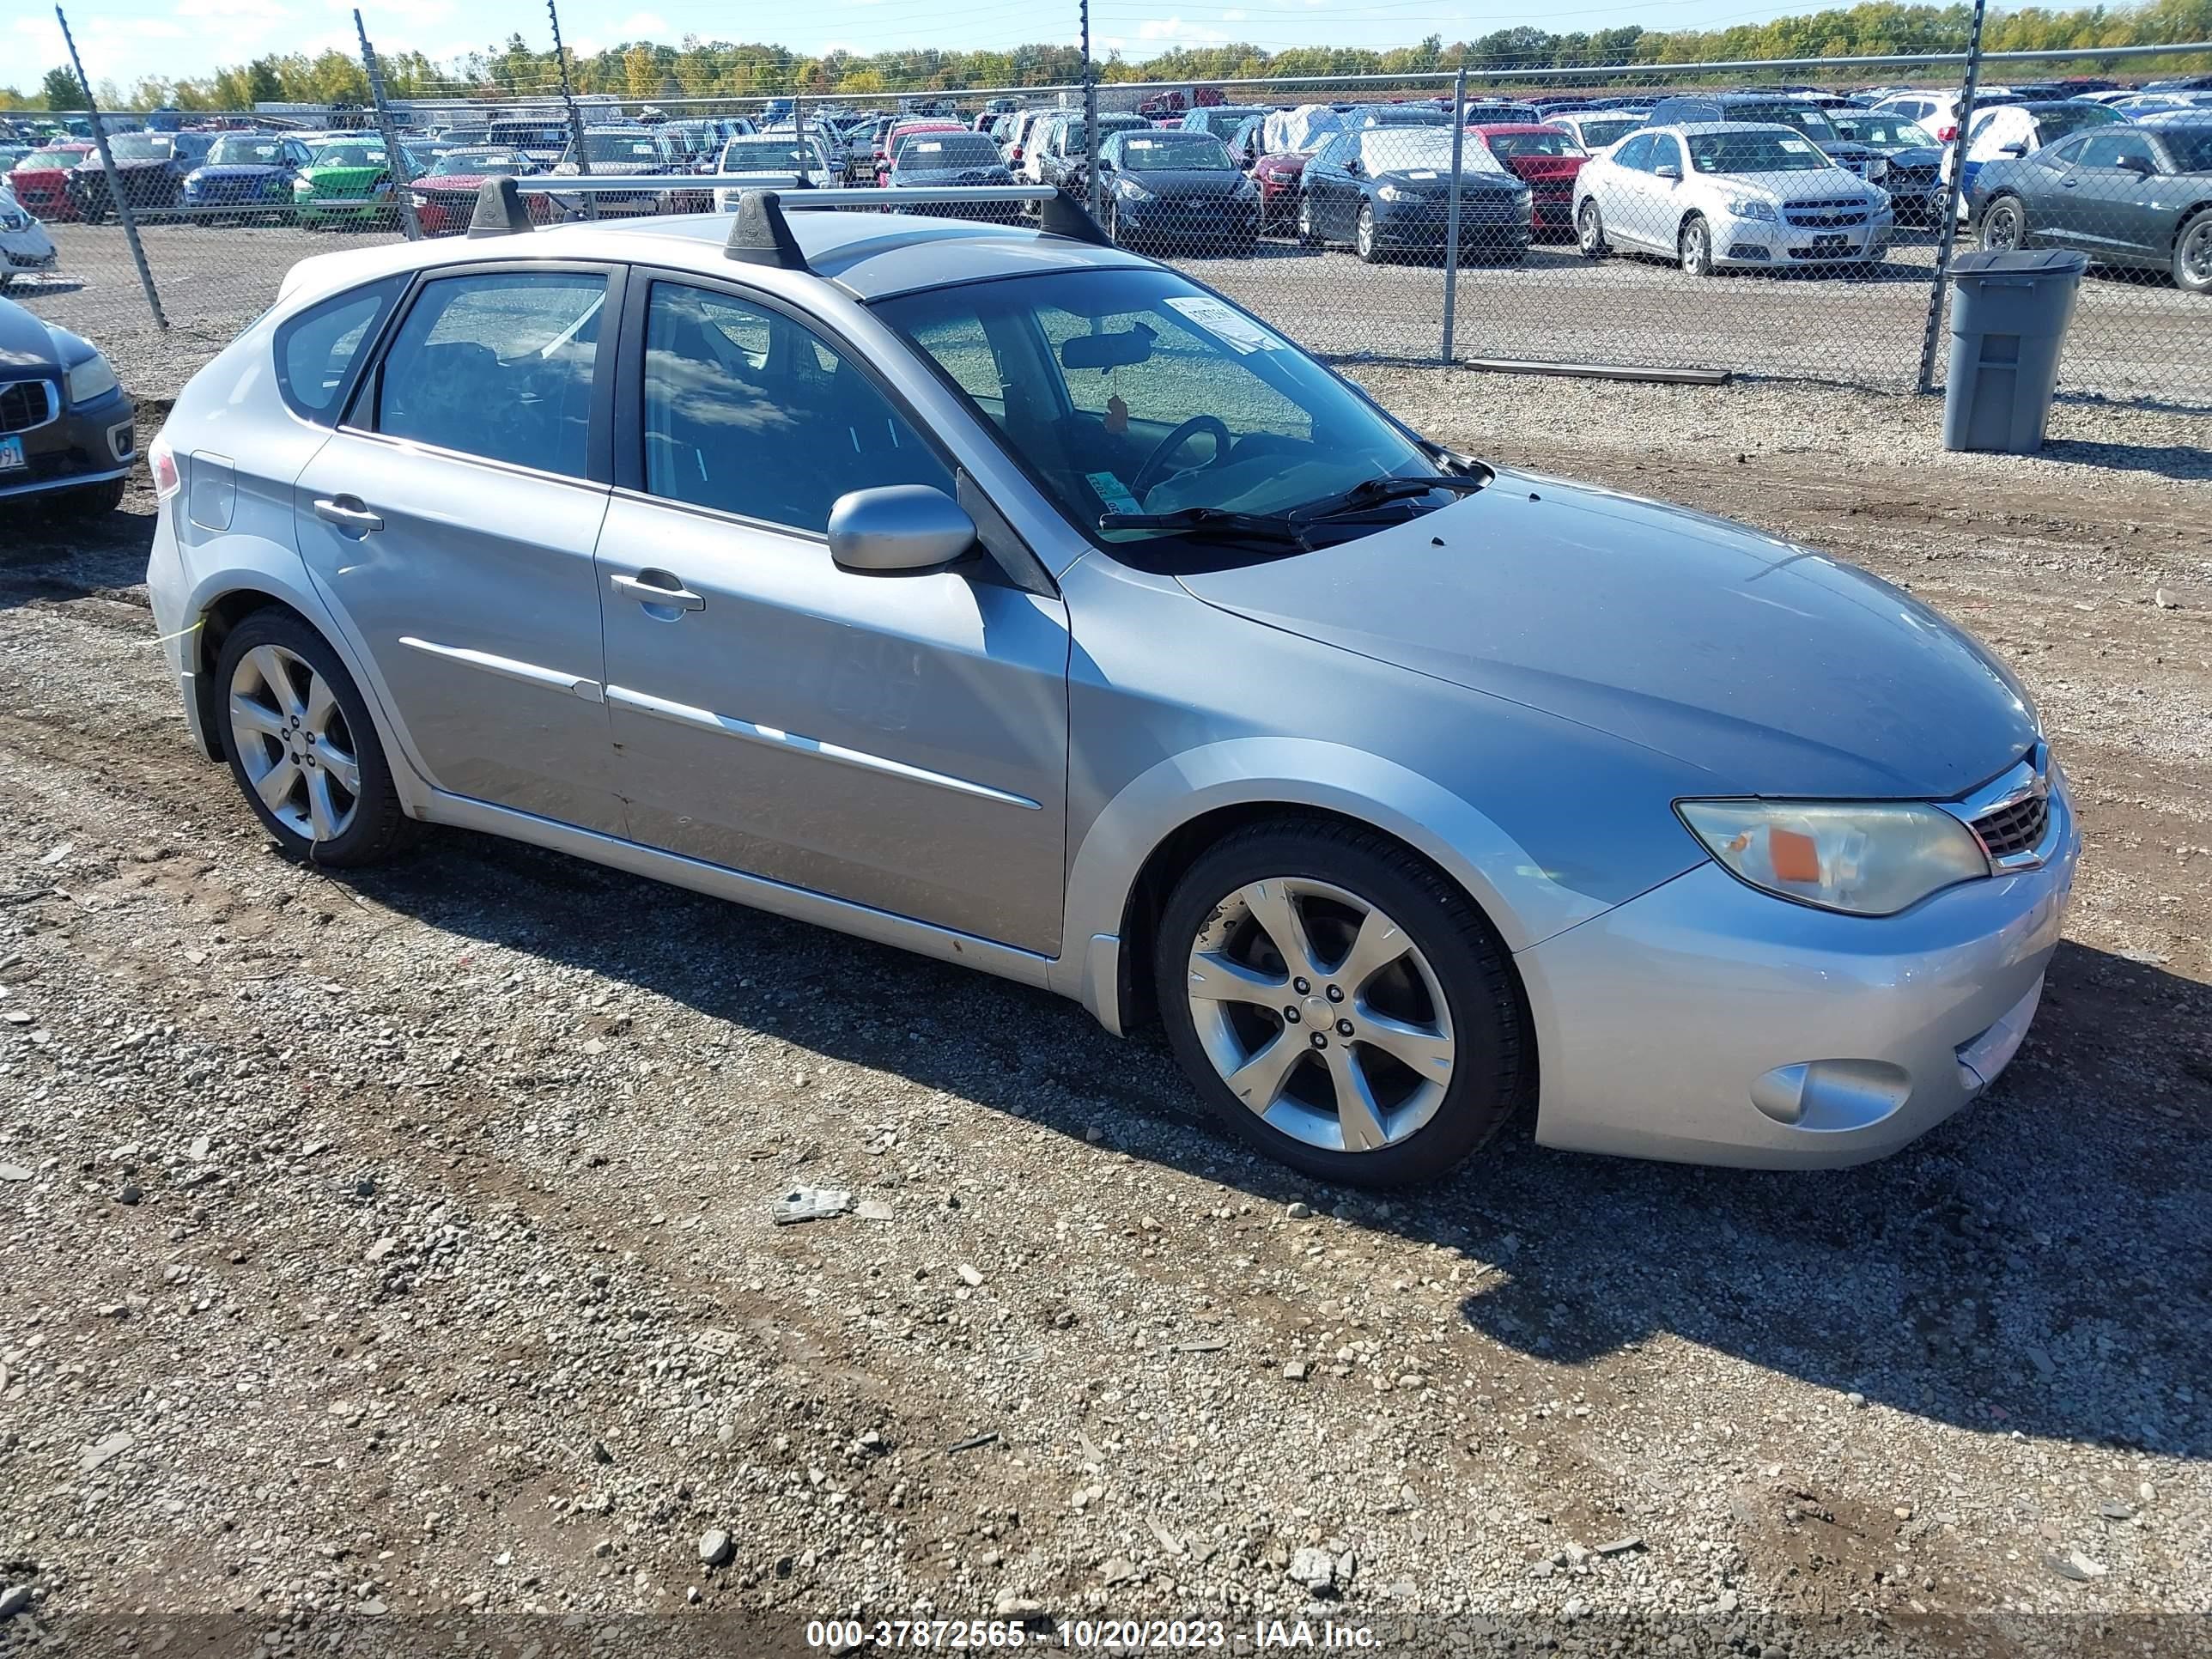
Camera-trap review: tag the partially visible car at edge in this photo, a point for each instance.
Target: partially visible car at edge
(67, 428)
(25, 248)
(2137, 197)
(1546, 158)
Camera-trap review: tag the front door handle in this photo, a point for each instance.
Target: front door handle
(347, 513)
(657, 590)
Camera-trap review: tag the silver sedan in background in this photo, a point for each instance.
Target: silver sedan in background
(1010, 597)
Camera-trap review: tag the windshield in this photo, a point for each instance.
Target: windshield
(1807, 121)
(949, 150)
(1754, 152)
(1398, 149)
(1598, 134)
(1177, 152)
(1883, 131)
(767, 155)
(527, 135)
(349, 155)
(1531, 143)
(1107, 125)
(137, 147)
(620, 148)
(247, 153)
(1222, 120)
(1394, 116)
(1083, 375)
(48, 160)
(477, 163)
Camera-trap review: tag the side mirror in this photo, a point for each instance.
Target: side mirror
(1668, 170)
(1352, 166)
(1105, 164)
(898, 527)
(2134, 164)
(2012, 149)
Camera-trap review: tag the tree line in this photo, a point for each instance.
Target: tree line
(644, 71)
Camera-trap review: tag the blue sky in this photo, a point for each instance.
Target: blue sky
(124, 39)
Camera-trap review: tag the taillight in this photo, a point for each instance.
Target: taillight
(168, 481)
(1944, 135)
(1015, 154)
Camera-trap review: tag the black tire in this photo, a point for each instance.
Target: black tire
(1494, 1057)
(379, 827)
(2004, 224)
(1589, 232)
(1694, 246)
(1366, 237)
(2192, 255)
(1306, 235)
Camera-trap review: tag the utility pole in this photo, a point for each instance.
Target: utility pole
(575, 115)
(1949, 233)
(114, 179)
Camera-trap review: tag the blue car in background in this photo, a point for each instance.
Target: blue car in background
(248, 173)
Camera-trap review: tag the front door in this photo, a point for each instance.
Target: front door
(898, 740)
(452, 521)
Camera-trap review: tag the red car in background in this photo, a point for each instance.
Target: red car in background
(446, 196)
(40, 180)
(1546, 159)
(1284, 139)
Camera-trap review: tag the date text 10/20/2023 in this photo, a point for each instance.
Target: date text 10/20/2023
(842, 1636)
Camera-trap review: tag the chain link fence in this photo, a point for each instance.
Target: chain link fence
(1778, 219)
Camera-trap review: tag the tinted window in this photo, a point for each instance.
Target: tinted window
(499, 366)
(1636, 152)
(2071, 118)
(747, 412)
(2108, 149)
(315, 350)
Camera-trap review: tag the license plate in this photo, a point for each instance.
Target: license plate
(1832, 241)
(11, 455)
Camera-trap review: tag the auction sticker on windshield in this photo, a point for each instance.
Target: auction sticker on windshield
(1112, 491)
(1796, 147)
(1227, 324)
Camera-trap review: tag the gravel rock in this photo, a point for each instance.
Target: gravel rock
(714, 1548)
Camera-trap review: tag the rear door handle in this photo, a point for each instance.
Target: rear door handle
(348, 513)
(657, 590)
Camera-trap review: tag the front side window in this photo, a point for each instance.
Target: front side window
(2111, 150)
(315, 349)
(747, 412)
(498, 365)
(1636, 154)
(1666, 152)
(1132, 391)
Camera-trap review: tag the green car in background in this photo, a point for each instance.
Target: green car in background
(347, 182)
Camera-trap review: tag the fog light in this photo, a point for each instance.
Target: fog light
(1829, 1095)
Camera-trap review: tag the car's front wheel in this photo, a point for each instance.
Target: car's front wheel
(1339, 1004)
(1589, 232)
(1364, 239)
(302, 747)
(1696, 248)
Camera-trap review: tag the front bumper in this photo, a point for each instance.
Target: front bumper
(30, 249)
(1221, 222)
(88, 444)
(1427, 224)
(1706, 1022)
(1775, 243)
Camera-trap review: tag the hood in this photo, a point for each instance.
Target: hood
(326, 177)
(91, 165)
(1915, 156)
(25, 348)
(1193, 183)
(1287, 166)
(1768, 669)
(1436, 181)
(1814, 184)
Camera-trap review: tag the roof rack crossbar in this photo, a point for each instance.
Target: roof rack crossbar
(762, 236)
(499, 211)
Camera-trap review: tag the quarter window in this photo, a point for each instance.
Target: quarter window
(315, 349)
(747, 412)
(500, 366)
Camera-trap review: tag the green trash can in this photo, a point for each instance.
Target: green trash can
(2008, 317)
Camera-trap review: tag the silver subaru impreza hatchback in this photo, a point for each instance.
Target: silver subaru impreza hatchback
(1011, 597)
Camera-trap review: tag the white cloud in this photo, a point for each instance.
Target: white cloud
(1174, 29)
(642, 26)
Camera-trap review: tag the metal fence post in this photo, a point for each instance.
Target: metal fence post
(114, 182)
(1090, 115)
(1949, 235)
(1451, 213)
(402, 191)
(575, 115)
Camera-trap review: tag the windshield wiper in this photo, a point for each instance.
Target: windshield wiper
(1377, 492)
(1213, 520)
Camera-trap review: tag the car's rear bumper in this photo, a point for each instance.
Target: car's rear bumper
(1706, 1022)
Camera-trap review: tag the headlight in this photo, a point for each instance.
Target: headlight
(90, 378)
(1877, 169)
(1864, 858)
(10, 220)
(1246, 190)
(303, 187)
(1393, 193)
(1130, 188)
(1751, 208)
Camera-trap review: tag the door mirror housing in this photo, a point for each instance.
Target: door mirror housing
(1352, 166)
(1106, 164)
(2134, 164)
(1668, 170)
(2012, 149)
(898, 527)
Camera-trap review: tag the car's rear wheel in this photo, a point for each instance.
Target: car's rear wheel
(1364, 242)
(1696, 246)
(302, 747)
(2004, 224)
(2192, 256)
(1339, 1003)
(1589, 232)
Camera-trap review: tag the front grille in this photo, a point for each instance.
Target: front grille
(2008, 831)
(25, 404)
(1825, 216)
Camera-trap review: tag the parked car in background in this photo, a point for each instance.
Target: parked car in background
(40, 180)
(1287, 142)
(25, 248)
(347, 182)
(1597, 129)
(1499, 113)
(1222, 120)
(1862, 161)
(2015, 130)
(1366, 116)
(149, 166)
(1715, 196)
(67, 430)
(930, 160)
(445, 197)
(247, 173)
(1387, 190)
(770, 163)
(1027, 124)
(1176, 190)
(1063, 157)
(620, 152)
(543, 142)
(2134, 196)
(1914, 177)
(1544, 158)
(1938, 112)
(886, 149)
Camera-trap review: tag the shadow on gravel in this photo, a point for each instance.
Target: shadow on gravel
(48, 551)
(2182, 461)
(2037, 1264)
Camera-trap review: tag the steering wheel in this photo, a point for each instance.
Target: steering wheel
(1155, 467)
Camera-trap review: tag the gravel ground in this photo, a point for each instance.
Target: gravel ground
(402, 1246)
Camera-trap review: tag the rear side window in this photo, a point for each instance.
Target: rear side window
(316, 351)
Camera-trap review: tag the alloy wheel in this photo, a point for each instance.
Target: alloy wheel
(1321, 1014)
(293, 743)
(2195, 263)
(1697, 248)
(2000, 230)
(1365, 232)
(1590, 231)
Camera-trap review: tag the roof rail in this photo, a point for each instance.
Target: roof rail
(499, 210)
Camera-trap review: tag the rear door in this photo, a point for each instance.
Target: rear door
(451, 521)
